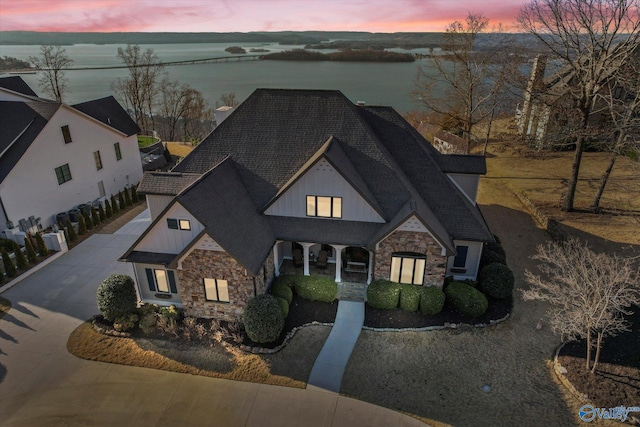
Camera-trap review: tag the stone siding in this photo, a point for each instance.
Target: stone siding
(406, 241)
(201, 264)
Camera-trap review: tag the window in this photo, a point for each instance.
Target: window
(178, 224)
(162, 281)
(63, 174)
(116, 147)
(66, 134)
(98, 159)
(461, 259)
(325, 207)
(216, 290)
(407, 267)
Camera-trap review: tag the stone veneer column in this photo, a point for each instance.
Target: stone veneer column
(338, 249)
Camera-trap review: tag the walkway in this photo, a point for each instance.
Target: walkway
(41, 384)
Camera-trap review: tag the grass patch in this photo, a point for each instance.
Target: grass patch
(290, 367)
(5, 306)
(145, 141)
(179, 149)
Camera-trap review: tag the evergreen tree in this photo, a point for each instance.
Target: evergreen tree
(70, 231)
(134, 194)
(107, 208)
(82, 225)
(121, 201)
(21, 260)
(66, 236)
(9, 268)
(87, 220)
(167, 154)
(95, 217)
(127, 197)
(114, 205)
(31, 253)
(42, 248)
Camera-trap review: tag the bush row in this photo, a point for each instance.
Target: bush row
(387, 295)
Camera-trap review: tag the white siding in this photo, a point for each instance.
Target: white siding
(413, 224)
(473, 260)
(164, 240)
(31, 188)
(323, 180)
(206, 243)
(143, 287)
(467, 183)
(157, 204)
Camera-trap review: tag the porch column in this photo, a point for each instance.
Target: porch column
(338, 249)
(276, 255)
(370, 274)
(305, 252)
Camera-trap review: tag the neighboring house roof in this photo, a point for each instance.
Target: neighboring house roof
(276, 135)
(16, 84)
(110, 112)
(453, 144)
(20, 125)
(166, 183)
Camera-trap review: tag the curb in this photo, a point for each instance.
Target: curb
(31, 271)
(439, 328)
(560, 370)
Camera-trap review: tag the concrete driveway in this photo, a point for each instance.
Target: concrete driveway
(41, 384)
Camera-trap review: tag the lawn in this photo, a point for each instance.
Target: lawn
(145, 141)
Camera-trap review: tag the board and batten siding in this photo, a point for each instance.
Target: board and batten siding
(165, 240)
(472, 263)
(323, 180)
(157, 204)
(467, 183)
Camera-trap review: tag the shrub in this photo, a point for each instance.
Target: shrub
(6, 244)
(496, 247)
(114, 204)
(31, 253)
(125, 323)
(496, 280)
(9, 268)
(148, 318)
(383, 294)
(95, 217)
(409, 297)
(82, 225)
(21, 260)
(287, 279)
(127, 197)
(134, 194)
(108, 211)
(431, 300)
(490, 257)
(42, 248)
(101, 213)
(121, 204)
(316, 288)
(87, 220)
(466, 299)
(263, 319)
(70, 231)
(281, 290)
(116, 296)
(284, 305)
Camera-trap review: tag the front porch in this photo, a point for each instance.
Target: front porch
(287, 267)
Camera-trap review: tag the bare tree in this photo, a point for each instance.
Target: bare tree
(51, 63)
(138, 92)
(184, 111)
(227, 99)
(593, 38)
(467, 78)
(620, 108)
(590, 293)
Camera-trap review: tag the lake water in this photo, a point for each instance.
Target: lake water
(374, 83)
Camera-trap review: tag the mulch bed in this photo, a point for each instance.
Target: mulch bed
(617, 379)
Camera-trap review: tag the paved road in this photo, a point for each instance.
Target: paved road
(43, 385)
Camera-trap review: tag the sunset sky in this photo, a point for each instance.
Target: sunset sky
(247, 15)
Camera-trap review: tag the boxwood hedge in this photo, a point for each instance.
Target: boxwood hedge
(466, 299)
(410, 297)
(496, 280)
(116, 296)
(316, 288)
(383, 294)
(281, 289)
(431, 300)
(263, 318)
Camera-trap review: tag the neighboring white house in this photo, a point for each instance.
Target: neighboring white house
(306, 175)
(54, 157)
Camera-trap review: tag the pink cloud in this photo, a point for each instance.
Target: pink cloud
(245, 15)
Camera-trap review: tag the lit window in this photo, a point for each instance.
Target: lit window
(461, 258)
(216, 290)
(63, 174)
(66, 134)
(98, 159)
(324, 206)
(408, 268)
(184, 224)
(116, 147)
(162, 281)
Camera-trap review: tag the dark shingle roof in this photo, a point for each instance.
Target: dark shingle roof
(110, 112)
(459, 163)
(20, 125)
(16, 84)
(325, 231)
(166, 183)
(150, 258)
(220, 201)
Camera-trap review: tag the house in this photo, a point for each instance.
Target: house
(54, 156)
(305, 171)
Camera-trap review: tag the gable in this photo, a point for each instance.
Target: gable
(162, 239)
(322, 179)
